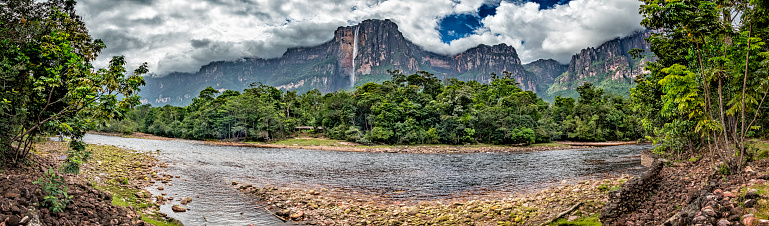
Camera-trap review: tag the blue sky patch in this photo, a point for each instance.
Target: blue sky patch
(458, 26)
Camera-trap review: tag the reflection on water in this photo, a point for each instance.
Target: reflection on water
(209, 170)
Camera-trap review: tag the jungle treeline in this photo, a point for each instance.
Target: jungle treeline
(408, 109)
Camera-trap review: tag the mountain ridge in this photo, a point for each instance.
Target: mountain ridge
(329, 65)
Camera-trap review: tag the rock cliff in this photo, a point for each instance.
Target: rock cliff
(328, 67)
(608, 66)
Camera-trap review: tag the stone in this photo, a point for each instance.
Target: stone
(297, 215)
(751, 194)
(749, 203)
(763, 223)
(749, 220)
(234, 183)
(139, 195)
(729, 194)
(283, 213)
(177, 208)
(160, 188)
(572, 218)
(11, 194)
(749, 170)
(700, 219)
(24, 220)
(723, 222)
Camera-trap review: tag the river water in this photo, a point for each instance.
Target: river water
(207, 171)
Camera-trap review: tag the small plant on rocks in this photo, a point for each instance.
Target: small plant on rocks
(76, 156)
(55, 190)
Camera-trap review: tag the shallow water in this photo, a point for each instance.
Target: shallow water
(209, 171)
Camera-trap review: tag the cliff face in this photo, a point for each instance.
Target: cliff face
(381, 46)
(608, 66)
(543, 73)
(328, 67)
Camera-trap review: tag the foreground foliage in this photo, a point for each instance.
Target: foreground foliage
(711, 76)
(48, 82)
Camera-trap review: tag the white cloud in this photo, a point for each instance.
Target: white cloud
(182, 35)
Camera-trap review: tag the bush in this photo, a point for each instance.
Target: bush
(55, 190)
(377, 134)
(522, 135)
(76, 156)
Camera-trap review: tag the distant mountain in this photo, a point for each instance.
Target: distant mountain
(329, 67)
(372, 47)
(608, 66)
(542, 74)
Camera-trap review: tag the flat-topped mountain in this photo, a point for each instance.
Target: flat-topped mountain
(365, 52)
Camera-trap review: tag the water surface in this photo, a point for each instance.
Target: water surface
(209, 170)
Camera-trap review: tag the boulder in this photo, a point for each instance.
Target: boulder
(297, 215)
(749, 203)
(724, 222)
(177, 208)
(749, 220)
(751, 194)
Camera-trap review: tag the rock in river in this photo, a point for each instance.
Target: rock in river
(177, 208)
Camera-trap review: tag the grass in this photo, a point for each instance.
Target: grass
(761, 211)
(111, 161)
(583, 221)
(604, 187)
(761, 149)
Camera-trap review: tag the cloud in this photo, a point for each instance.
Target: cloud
(183, 35)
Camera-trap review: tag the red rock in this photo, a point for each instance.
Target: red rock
(749, 221)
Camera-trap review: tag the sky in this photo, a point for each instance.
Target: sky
(183, 35)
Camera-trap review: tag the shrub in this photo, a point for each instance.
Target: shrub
(55, 190)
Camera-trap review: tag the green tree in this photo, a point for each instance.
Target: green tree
(48, 82)
(710, 75)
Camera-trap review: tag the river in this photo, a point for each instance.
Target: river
(207, 171)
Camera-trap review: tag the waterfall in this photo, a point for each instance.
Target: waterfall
(354, 54)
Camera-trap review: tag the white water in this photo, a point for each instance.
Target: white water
(354, 54)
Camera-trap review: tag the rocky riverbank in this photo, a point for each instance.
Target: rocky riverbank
(118, 175)
(333, 145)
(692, 193)
(20, 198)
(322, 207)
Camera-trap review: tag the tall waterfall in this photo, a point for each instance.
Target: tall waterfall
(354, 54)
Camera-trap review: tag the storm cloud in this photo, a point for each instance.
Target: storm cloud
(183, 35)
